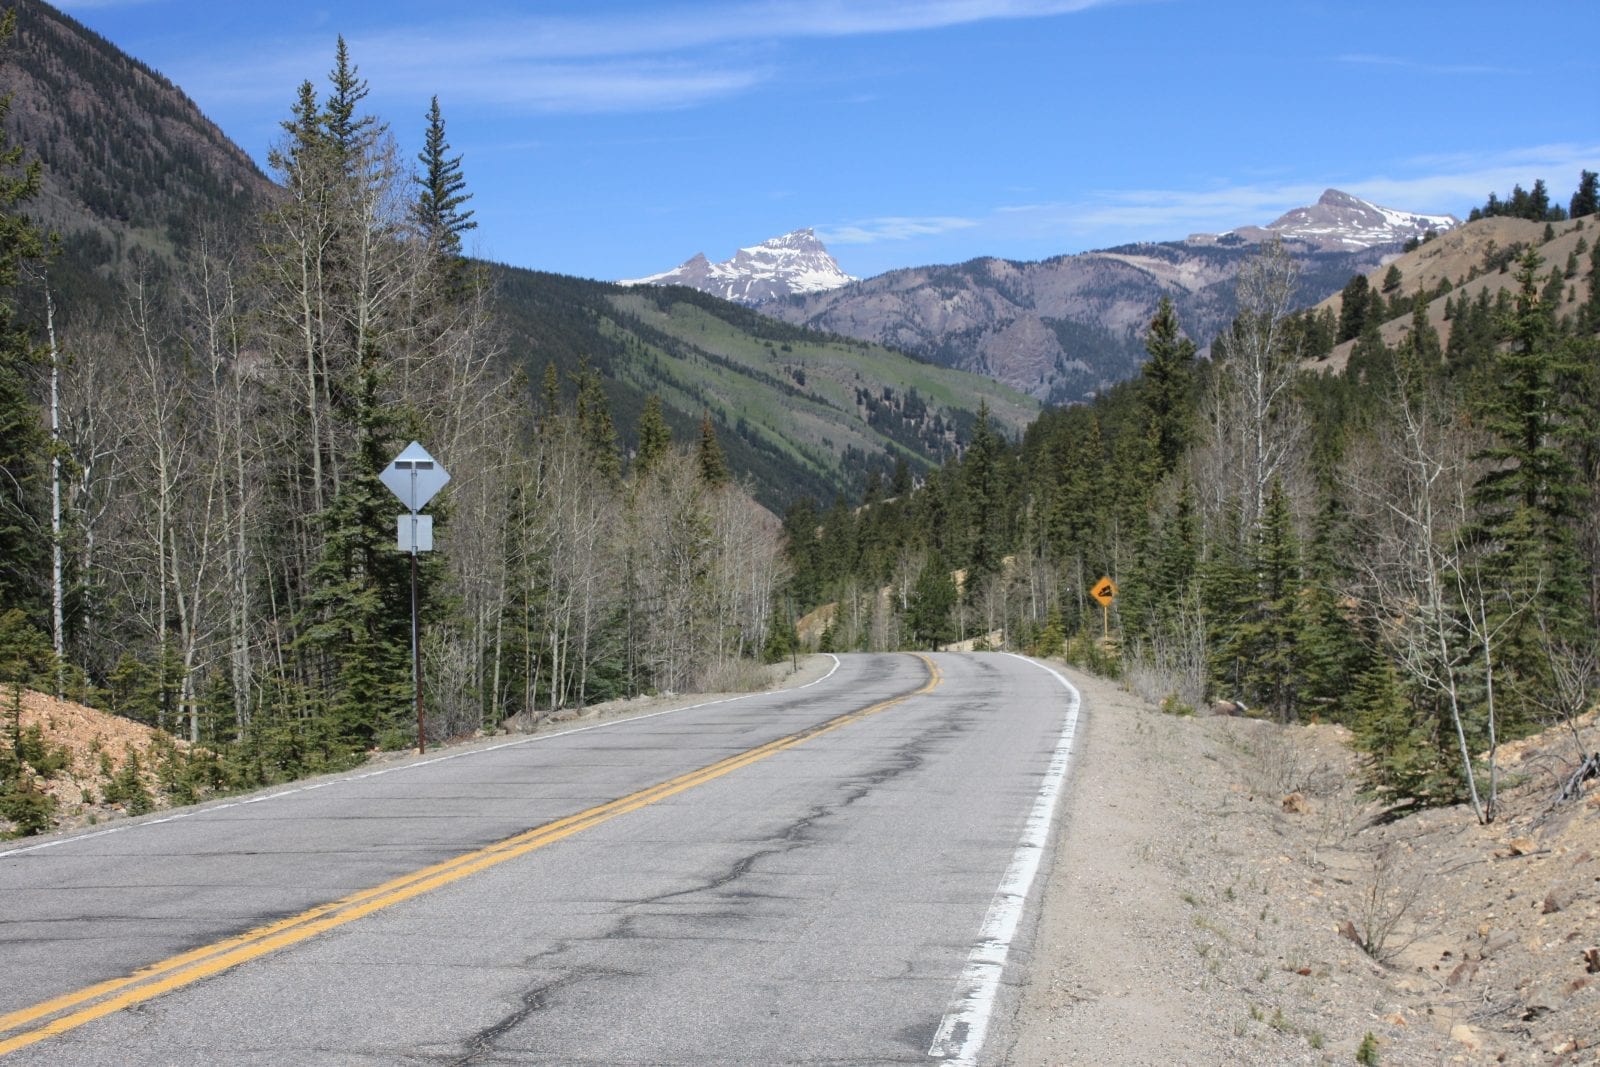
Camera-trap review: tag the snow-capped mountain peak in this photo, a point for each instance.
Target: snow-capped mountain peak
(1338, 222)
(1341, 221)
(796, 262)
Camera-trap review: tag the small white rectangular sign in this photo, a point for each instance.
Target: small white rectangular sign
(424, 528)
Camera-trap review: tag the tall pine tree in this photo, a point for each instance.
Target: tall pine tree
(1169, 386)
(441, 192)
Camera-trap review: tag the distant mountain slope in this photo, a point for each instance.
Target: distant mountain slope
(1065, 329)
(129, 160)
(801, 412)
(795, 263)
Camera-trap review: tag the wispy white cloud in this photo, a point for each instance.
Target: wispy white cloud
(891, 228)
(658, 59)
(1367, 59)
(673, 29)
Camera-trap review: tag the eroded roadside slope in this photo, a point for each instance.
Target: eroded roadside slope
(1212, 878)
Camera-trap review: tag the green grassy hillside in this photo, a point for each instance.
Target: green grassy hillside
(801, 413)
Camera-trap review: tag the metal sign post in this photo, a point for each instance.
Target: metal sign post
(415, 477)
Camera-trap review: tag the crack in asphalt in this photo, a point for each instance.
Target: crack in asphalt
(907, 758)
(532, 1001)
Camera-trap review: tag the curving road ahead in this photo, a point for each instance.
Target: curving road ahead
(826, 875)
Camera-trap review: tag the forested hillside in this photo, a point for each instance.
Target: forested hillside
(1409, 546)
(136, 172)
(799, 412)
(193, 533)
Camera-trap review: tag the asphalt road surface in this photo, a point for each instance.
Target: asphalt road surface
(826, 875)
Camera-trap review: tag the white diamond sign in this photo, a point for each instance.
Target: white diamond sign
(415, 477)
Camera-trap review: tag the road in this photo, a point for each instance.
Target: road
(822, 875)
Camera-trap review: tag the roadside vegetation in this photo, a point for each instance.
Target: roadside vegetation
(1408, 546)
(193, 534)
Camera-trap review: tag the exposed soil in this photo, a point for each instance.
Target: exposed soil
(97, 745)
(1213, 879)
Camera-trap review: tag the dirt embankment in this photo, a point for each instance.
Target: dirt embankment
(1221, 895)
(84, 751)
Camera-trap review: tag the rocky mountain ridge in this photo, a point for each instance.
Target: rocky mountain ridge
(1067, 328)
(1341, 222)
(793, 264)
(1061, 329)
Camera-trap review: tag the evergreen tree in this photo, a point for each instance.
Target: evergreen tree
(655, 437)
(1527, 499)
(304, 137)
(359, 613)
(838, 545)
(983, 498)
(24, 445)
(1269, 637)
(900, 485)
(804, 551)
(1331, 645)
(595, 427)
(712, 465)
(442, 191)
(1355, 300)
(1538, 207)
(1405, 764)
(550, 395)
(348, 132)
(931, 603)
(1169, 386)
(1422, 341)
(1589, 312)
(781, 641)
(1228, 592)
(1586, 200)
(1371, 361)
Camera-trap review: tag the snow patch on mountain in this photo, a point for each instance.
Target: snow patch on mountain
(795, 263)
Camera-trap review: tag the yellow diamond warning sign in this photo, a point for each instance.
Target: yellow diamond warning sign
(1105, 591)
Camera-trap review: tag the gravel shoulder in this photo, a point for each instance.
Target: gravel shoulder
(1212, 878)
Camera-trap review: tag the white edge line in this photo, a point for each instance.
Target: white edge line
(189, 813)
(966, 1021)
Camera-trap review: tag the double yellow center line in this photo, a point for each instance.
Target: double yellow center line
(71, 1010)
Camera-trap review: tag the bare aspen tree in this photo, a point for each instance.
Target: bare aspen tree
(1412, 493)
(94, 434)
(215, 335)
(1253, 427)
(58, 625)
(673, 541)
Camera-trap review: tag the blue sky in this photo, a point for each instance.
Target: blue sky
(616, 139)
